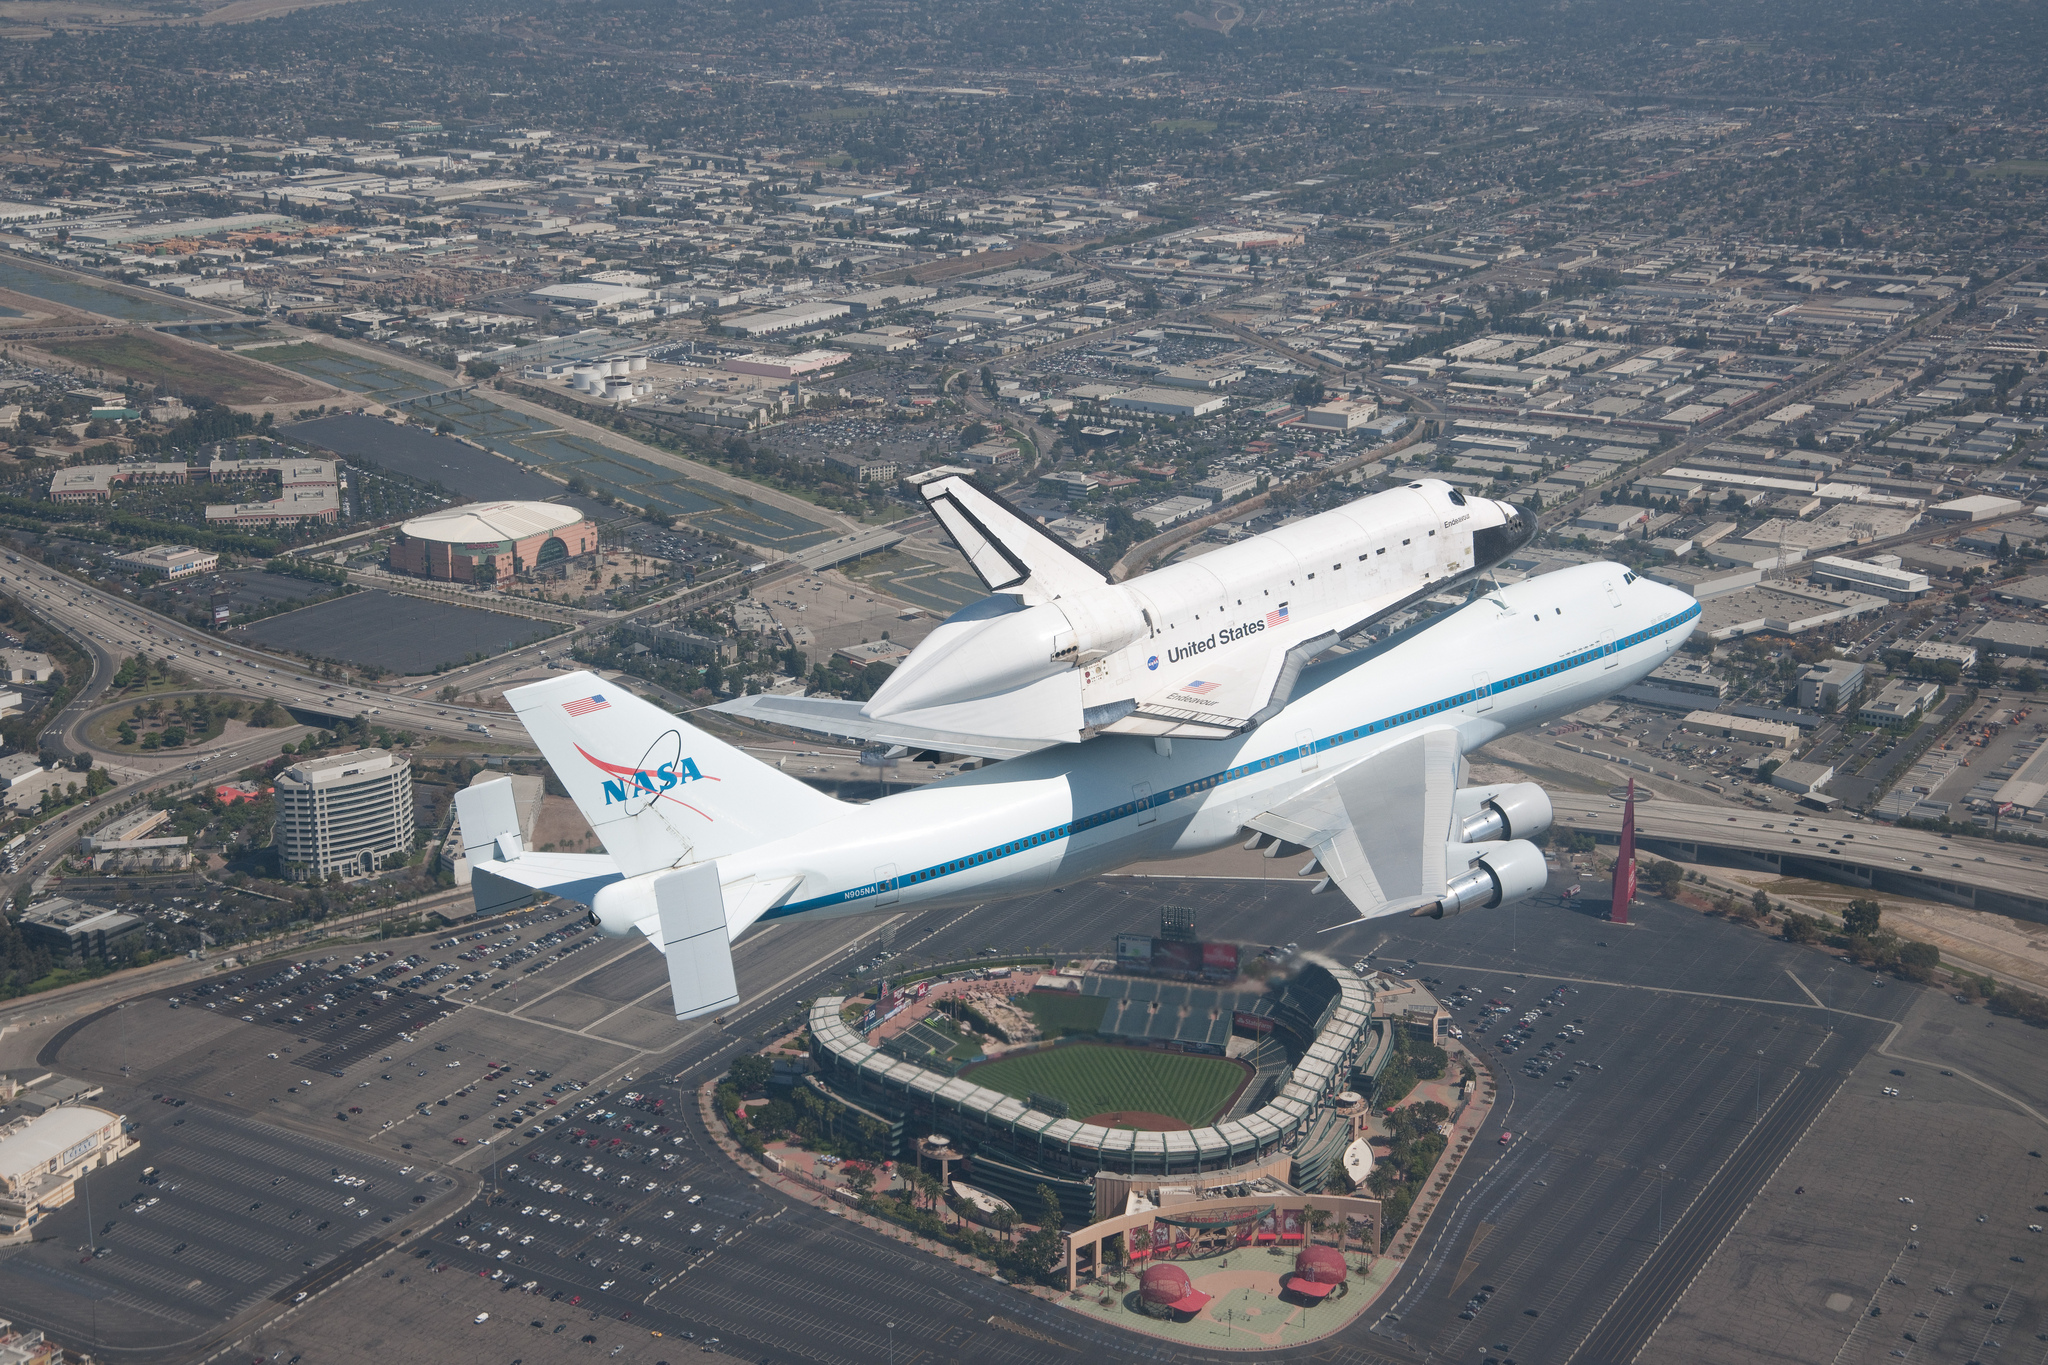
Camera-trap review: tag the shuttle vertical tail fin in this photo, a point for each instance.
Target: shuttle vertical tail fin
(1011, 552)
(659, 792)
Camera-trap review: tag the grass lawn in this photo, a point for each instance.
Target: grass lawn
(196, 371)
(1095, 1079)
(2007, 169)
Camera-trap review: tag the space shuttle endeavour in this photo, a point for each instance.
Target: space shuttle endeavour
(1204, 649)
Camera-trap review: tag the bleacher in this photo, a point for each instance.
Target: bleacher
(1194, 1015)
(920, 1043)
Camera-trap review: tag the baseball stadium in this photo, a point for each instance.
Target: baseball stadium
(1139, 1080)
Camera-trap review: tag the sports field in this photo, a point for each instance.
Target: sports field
(1095, 1079)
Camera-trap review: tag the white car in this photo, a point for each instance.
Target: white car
(481, 1317)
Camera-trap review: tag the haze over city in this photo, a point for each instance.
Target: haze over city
(867, 682)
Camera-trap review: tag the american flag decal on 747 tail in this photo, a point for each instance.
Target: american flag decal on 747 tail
(583, 706)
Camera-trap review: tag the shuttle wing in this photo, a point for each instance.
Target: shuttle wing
(1194, 699)
(1381, 827)
(1011, 552)
(843, 719)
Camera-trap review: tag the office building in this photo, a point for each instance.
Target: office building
(343, 813)
(1830, 683)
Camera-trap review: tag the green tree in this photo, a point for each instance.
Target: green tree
(750, 1073)
(1860, 920)
(1802, 928)
(1918, 959)
(1664, 877)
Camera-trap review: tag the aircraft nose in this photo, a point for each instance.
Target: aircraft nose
(1667, 602)
(1516, 528)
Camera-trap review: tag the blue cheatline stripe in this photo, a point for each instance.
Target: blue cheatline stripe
(1096, 820)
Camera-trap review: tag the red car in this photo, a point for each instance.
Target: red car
(1505, 1138)
(462, 1142)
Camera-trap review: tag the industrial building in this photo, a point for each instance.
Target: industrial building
(485, 541)
(795, 317)
(786, 366)
(2020, 639)
(343, 813)
(1166, 402)
(1890, 582)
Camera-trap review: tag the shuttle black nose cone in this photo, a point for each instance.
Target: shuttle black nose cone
(1492, 544)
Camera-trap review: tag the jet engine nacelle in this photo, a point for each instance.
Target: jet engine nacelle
(1513, 810)
(619, 908)
(1504, 872)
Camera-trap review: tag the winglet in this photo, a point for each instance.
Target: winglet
(1011, 552)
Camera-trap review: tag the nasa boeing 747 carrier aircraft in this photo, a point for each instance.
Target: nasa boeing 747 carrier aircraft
(1361, 766)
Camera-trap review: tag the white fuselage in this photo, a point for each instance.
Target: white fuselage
(1518, 656)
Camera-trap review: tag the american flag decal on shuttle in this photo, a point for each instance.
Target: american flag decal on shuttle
(1201, 689)
(1278, 616)
(583, 706)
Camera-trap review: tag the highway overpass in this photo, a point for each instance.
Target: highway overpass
(2007, 879)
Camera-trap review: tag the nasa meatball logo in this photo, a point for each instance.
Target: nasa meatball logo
(1153, 663)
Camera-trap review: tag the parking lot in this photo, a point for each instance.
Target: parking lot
(1683, 1030)
(403, 634)
(460, 468)
(235, 1213)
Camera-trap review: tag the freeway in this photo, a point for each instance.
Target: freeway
(2007, 878)
(110, 629)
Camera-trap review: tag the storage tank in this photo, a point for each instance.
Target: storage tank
(637, 364)
(614, 367)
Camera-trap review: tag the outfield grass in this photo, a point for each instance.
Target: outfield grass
(1096, 1078)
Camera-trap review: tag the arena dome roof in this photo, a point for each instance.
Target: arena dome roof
(492, 521)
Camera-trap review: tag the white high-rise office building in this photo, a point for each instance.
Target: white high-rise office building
(343, 813)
